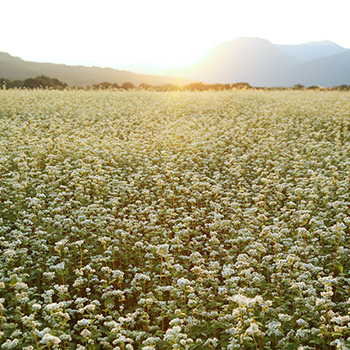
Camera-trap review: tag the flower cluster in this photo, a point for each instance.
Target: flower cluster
(144, 220)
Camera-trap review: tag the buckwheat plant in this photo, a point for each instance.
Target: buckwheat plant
(195, 220)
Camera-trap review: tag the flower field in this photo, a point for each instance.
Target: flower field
(143, 220)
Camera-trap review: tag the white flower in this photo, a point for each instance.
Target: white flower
(50, 339)
(84, 322)
(172, 334)
(85, 333)
(36, 307)
(10, 344)
(252, 329)
(21, 285)
(182, 282)
(274, 328)
(163, 250)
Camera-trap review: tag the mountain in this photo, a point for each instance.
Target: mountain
(312, 50)
(14, 68)
(253, 60)
(261, 63)
(326, 71)
(243, 59)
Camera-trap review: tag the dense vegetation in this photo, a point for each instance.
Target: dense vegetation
(40, 82)
(44, 82)
(142, 220)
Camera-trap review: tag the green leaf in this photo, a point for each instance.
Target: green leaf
(339, 267)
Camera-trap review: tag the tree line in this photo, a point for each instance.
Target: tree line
(44, 82)
(41, 81)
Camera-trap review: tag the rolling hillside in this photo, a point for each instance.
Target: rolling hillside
(253, 60)
(261, 63)
(327, 71)
(243, 59)
(15, 68)
(312, 50)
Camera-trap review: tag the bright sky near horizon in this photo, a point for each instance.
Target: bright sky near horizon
(115, 33)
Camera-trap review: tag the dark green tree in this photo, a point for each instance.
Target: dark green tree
(128, 86)
(298, 87)
(43, 82)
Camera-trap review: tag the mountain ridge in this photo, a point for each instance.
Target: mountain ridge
(325, 71)
(15, 68)
(254, 60)
(241, 59)
(261, 63)
(313, 50)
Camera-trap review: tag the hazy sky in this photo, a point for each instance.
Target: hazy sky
(163, 32)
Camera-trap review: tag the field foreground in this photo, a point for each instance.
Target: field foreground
(140, 220)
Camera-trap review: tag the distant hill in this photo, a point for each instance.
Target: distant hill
(252, 60)
(261, 63)
(312, 50)
(14, 68)
(243, 59)
(326, 71)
